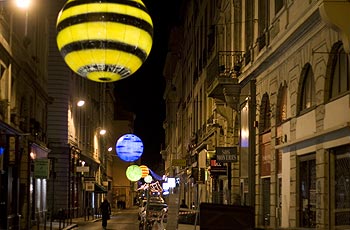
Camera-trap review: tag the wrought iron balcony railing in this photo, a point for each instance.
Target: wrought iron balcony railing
(224, 65)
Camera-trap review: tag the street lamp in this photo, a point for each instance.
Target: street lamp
(24, 4)
(103, 131)
(80, 103)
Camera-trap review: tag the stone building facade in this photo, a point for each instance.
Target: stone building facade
(290, 60)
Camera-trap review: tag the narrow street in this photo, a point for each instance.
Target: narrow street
(121, 220)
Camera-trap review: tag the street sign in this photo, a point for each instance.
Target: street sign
(41, 168)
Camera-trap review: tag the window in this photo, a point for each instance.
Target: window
(281, 104)
(263, 22)
(340, 73)
(249, 23)
(266, 201)
(278, 5)
(307, 89)
(265, 114)
(307, 191)
(340, 186)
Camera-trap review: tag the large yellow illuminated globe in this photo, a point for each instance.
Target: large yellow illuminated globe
(104, 40)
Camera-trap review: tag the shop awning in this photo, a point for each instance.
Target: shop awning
(100, 189)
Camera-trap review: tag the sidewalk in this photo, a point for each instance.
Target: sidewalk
(55, 225)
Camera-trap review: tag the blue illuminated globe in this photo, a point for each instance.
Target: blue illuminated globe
(129, 147)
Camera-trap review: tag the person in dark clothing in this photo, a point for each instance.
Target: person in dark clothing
(106, 212)
(183, 204)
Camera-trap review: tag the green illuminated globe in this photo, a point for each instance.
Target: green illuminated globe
(134, 172)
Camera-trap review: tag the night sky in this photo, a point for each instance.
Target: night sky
(142, 92)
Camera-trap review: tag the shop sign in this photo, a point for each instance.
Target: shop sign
(198, 175)
(89, 186)
(226, 154)
(84, 169)
(89, 178)
(218, 170)
(41, 168)
(12, 150)
(178, 162)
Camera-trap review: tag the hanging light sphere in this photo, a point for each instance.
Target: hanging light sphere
(133, 173)
(104, 40)
(144, 170)
(148, 179)
(129, 147)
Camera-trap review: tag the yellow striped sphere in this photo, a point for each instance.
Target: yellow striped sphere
(144, 171)
(104, 40)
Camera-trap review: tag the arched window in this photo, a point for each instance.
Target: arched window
(340, 73)
(265, 114)
(281, 113)
(306, 88)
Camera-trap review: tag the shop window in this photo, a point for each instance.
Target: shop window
(340, 187)
(266, 201)
(307, 191)
(279, 201)
(265, 153)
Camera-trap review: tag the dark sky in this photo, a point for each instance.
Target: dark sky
(142, 92)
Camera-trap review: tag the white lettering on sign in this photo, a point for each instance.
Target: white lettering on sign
(226, 157)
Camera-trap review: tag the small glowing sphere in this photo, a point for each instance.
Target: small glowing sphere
(133, 173)
(129, 147)
(148, 179)
(104, 41)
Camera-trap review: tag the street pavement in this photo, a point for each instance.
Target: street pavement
(124, 219)
(121, 219)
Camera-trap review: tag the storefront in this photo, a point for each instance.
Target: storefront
(10, 158)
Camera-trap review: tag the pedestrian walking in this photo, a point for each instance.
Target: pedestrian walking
(183, 204)
(106, 212)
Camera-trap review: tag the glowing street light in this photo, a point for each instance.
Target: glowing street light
(24, 4)
(81, 103)
(103, 132)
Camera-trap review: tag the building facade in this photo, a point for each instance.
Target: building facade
(23, 123)
(271, 80)
(53, 160)
(83, 159)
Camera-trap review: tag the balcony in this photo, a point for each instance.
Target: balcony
(222, 77)
(336, 14)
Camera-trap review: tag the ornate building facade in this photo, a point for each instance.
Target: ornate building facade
(269, 82)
